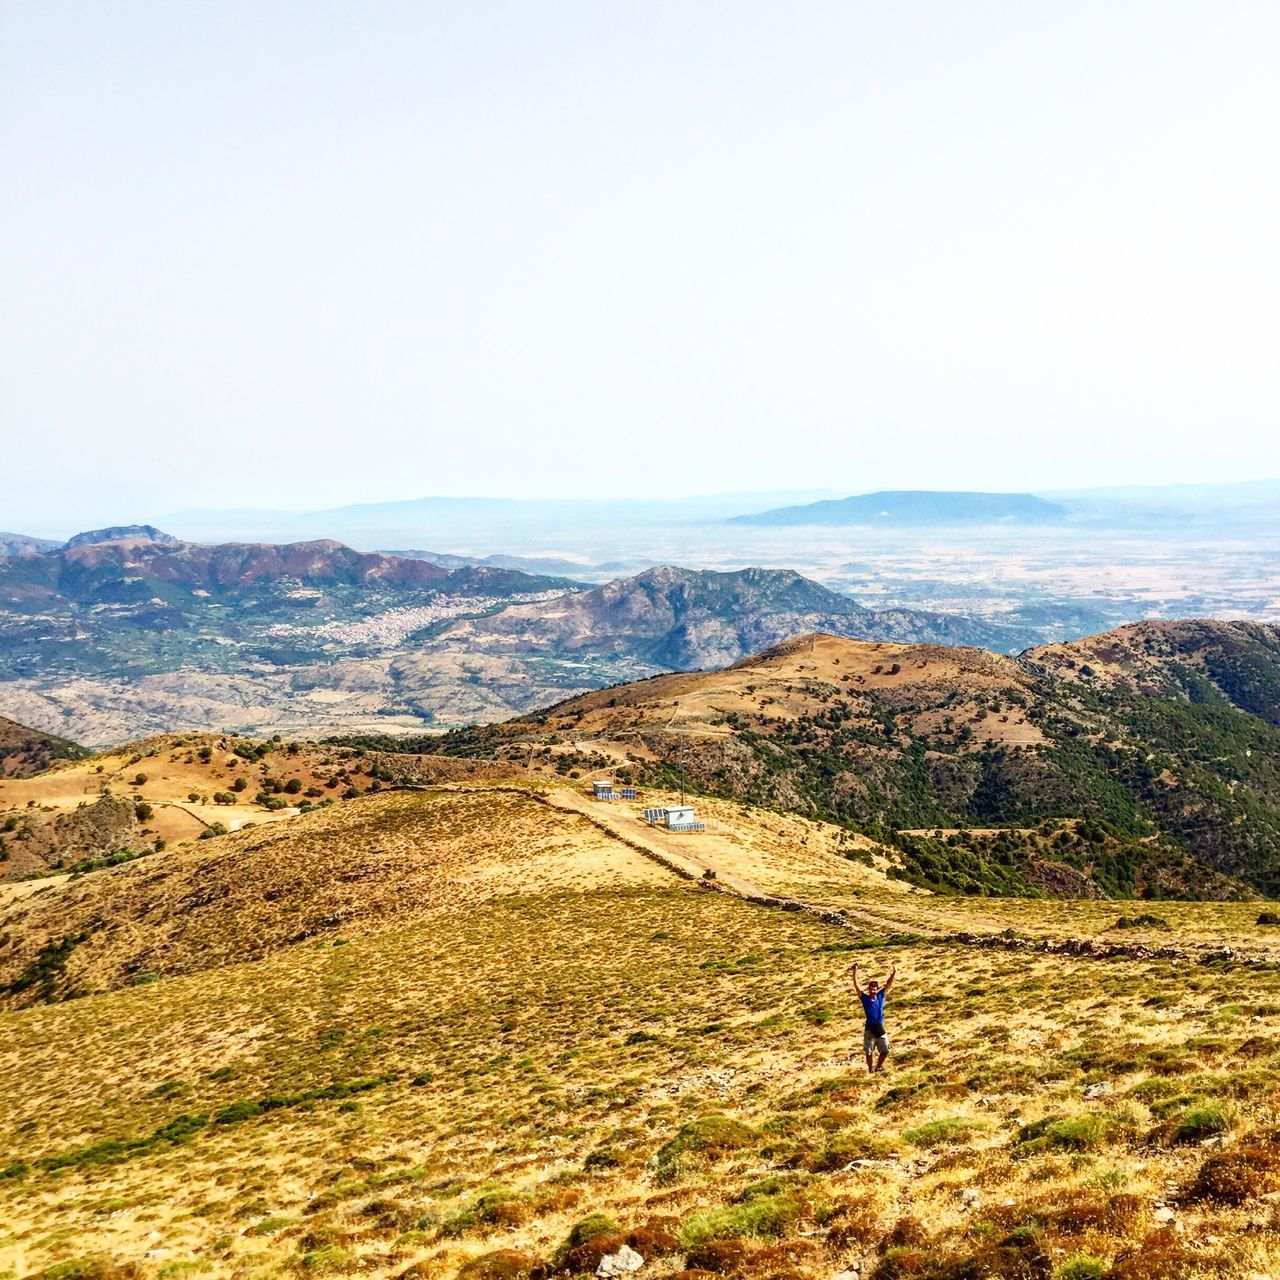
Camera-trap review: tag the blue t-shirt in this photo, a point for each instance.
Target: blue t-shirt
(873, 1007)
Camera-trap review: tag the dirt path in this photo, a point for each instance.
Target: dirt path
(674, 852)
(635, 831)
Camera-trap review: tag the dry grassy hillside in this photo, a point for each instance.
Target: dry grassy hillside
(25, 751)
(172, 789)
(338, 871)
(1141, 763)
(529, 1042)
(350, 868)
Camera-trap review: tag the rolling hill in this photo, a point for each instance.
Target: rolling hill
(73, 812)
(1142, 761)
(914, 508)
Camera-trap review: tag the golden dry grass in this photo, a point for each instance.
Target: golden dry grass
(528, 1023)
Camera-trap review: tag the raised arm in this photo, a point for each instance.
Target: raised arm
(893, 973)
(856, 985)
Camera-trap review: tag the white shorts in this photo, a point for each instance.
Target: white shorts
(876, 1044)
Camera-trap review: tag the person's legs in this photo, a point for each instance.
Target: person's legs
(868, 1044)
(882, 1050)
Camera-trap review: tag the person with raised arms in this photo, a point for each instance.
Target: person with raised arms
(874, 1039)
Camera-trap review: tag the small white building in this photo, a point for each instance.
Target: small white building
(677, 817)
(603, 789)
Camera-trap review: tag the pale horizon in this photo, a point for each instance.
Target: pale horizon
(54, 526)
(276, 256)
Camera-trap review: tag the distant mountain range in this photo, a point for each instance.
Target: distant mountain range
(552, 565)
(506, 522)
(915, 508)
(21, 544)
(462, 524)
(1244, 494)
(108, 638)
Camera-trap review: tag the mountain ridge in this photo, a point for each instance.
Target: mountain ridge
(683, 618)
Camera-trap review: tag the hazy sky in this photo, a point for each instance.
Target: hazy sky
(304, 254)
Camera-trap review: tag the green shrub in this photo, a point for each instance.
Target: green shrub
(1083, 1266)
(494, 1206)
(1155, 1089)
(327, 1258)
(849, 1145)
(593, 1225)
(1063, 1133)
(764, 1218)
(1198, 1123)
(708, 1137)
(1145, 921)
(97, 1267)
(243, 1109)
(269, 1225)
(941, 1132)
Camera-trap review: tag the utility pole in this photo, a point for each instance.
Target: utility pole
(671, 726)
